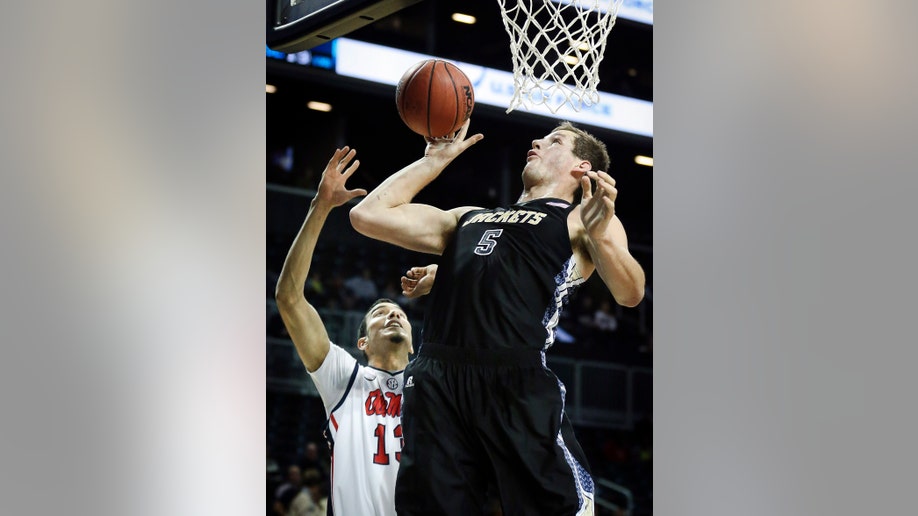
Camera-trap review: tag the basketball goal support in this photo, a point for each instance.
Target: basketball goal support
(297, 25)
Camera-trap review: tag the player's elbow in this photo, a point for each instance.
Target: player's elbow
(283, 299)
(363, 219)
(631, 297)
(285, 295)
(631, 300)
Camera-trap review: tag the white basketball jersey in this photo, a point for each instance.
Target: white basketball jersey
(364, 407)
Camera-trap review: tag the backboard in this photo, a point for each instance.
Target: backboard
(296, 25)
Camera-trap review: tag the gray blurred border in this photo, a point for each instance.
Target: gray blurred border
(131, 145)
(784, 257)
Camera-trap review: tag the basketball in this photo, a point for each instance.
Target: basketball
(434, 98)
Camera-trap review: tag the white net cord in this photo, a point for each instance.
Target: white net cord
(557, 46)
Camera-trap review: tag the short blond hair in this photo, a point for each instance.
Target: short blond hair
(588, 147)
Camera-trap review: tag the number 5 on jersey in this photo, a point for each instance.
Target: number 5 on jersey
(488, 241)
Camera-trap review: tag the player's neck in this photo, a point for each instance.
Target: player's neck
(392, 364)
(542, 191)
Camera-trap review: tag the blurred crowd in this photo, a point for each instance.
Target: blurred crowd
(300, 488)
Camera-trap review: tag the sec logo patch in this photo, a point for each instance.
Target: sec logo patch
(392, 384)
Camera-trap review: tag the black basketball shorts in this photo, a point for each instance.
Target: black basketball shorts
(475, 420)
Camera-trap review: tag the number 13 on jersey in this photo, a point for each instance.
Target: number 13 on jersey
(382, 456)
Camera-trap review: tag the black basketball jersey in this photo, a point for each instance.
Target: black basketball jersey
(503, 278)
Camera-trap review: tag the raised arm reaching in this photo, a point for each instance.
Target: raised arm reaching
(388, 214)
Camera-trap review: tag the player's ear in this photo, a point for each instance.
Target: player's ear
(362, 343)
(580, 168)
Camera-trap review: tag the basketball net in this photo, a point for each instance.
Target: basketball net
(557, 46)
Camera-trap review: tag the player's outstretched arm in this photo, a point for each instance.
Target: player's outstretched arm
(606, 242)
(388, 214)
(300, 317)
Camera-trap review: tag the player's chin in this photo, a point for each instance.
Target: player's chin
(398, 338)
(397, 334)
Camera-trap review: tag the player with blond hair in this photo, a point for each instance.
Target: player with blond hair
(480, 404)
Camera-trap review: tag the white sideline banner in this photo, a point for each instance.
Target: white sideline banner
(386, 65)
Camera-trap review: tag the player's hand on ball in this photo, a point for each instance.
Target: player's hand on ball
(418, 281)
(597, 208)
(332, 189)
(448, 148)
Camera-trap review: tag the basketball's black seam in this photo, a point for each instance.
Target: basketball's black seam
(404, 100)
(456, 94)
(433, 70)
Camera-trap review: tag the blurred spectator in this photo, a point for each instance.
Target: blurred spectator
(362, 287)
(290, 496)
(299, 503)
(315, 489)
(274, 478)
(314, 459)
(603, 318)
(586, 312)
(393, 291)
